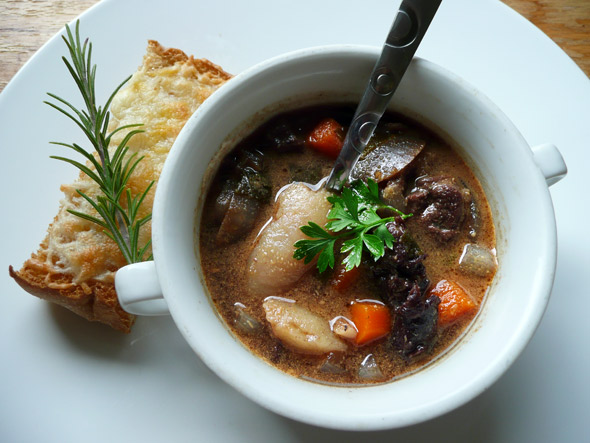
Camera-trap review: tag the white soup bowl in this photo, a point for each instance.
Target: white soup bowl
(514, 177)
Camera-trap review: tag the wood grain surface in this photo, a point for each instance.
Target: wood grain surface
(26, 24)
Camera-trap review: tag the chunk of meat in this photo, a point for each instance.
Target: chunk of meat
(401, 276)
(299, 329)
(441, 204)
(401, 267)
(386, 157)
(271, 266)
(415, 325)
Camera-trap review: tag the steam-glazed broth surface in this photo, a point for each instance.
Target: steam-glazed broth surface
(281, 321)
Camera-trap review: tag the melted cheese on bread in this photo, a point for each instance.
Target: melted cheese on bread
(161, 95)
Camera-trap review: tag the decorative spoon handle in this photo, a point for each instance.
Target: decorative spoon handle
(407, 31)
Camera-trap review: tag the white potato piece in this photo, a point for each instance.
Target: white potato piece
(271, 266)
(299, 329)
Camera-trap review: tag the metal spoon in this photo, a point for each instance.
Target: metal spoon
(407, 31)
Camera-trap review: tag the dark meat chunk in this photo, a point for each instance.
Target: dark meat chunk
(401, 276)
(441, 204)
(397, 228)
(414, 327)
(401, 267)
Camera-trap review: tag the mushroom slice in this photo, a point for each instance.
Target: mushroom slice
(299, 329)
(387, 158)
(239, 219)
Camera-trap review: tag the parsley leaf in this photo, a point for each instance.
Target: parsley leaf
(322, 245)
(354, 247)
(353, 221)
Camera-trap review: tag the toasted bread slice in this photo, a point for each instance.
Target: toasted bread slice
(75, 264)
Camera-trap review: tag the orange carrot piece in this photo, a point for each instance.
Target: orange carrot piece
(343, 279)
(327, 137)
(455, 303)
(372, 320)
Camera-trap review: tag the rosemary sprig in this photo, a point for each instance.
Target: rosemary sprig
(117, 209)
(353, 220)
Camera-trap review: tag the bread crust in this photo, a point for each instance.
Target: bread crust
(95, 301)
(81, 278)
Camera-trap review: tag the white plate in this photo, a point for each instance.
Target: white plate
(64, 379)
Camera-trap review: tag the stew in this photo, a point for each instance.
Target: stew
(374, 317)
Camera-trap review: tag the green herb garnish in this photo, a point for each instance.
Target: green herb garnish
(117, 209)
(354, 220)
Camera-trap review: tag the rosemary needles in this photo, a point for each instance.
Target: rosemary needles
(116, 208)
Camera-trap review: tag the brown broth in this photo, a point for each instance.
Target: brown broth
(225, 267)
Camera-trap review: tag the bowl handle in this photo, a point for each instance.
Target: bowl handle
(138, 289)
(550, 162)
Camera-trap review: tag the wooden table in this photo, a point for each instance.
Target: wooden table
(25, 25)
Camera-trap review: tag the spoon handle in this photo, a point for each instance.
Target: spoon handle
(405, 35)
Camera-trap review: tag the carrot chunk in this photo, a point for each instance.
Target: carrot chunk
(343, 279)
(372, 320)
(455, 303)
(327, 137)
